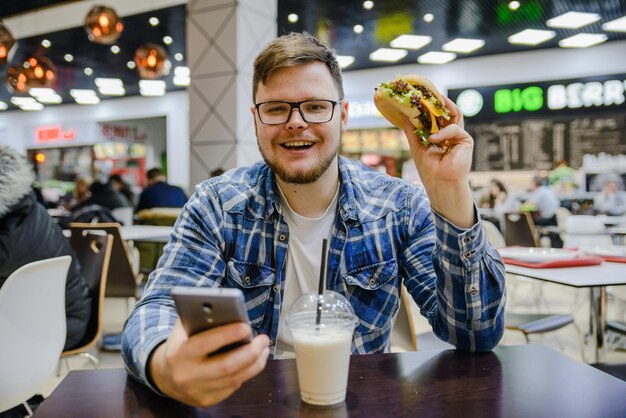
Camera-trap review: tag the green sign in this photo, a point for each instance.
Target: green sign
(514, 100)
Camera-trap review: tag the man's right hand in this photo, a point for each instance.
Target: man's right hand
(182, 369)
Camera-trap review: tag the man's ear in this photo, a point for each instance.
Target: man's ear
(344, 115)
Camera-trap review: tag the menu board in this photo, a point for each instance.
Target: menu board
(536, 143)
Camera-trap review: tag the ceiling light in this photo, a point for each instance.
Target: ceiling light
(178, 56)
(428, 17)
(167, 40)
(153, 21)
(3, 106)
(151, 87)
(436, 57)
(88, 71)
(39, 91)
(410, 41)
(26, 103)
(617, 25)
(368, 5)
(7, 43)
(115, 49)
(514, 5)
(345, 60)
(84, 96)
(463, 45)
(182, 76)
(50, 99)
(573, 20)
(131, 65)
(357, 29)
(531, 37)
(583, 40)
(46, 43)
(150, 60)
(110, 86)
(388, 54)
(36, 106)
(103, 25)
(68, 57)
(292, 18)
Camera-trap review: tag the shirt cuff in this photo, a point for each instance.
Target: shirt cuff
(466, 244)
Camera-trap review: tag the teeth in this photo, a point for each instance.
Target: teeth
(298, 143)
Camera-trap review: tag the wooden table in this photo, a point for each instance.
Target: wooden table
(513, 381)
(594, 277)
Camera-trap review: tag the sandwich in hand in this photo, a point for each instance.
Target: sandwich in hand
(414, 97)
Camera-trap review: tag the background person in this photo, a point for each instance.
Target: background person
(611, 200)
(122, 187)
(160, 194)
(260, 229)
(28, 233)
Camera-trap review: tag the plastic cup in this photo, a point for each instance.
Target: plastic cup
(322, 350)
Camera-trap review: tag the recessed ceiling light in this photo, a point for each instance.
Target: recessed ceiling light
(410, 41)
(26, 103)
(182, 76)
(153, 21)
(110, 86)
(388, 54)
(573, 20)
(167, 40)
(45, 95)
(436, 57)
(115, 49)
(88, 71)
(46, 43)
(583, 40)
(345, 60)
(3, 106)
(368, 5)
(131, 65)
(292, 18)
(617, 25)
(357, 29)
(178, 56)
(40, 91)
(428, 17)
(463, 45)
(514, 5)
(84, 96)
(151, 87)
(68, 57)
(531, 37)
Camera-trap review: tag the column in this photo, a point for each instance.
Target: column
(223, 38)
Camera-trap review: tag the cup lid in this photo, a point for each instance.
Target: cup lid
(334, 307)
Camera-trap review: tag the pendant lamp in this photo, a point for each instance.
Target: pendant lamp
(103, 25)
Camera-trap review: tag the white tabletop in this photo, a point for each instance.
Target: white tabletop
(605, 274)
(141, 232)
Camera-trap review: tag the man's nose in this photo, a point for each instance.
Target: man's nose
(297, 121)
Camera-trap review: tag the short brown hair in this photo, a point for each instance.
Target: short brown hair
(292, 50)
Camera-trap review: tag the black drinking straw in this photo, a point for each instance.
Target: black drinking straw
(320, 290)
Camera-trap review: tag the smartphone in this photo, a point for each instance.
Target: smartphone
(202, 308)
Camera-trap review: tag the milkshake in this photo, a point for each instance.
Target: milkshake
(322, 350)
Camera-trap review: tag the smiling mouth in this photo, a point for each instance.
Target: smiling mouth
(298, 145)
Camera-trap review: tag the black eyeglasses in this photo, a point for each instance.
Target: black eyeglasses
(311, 111)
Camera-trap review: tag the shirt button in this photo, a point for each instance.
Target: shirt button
(467, 239)
(271, 342)
(372, 282)
(276, 288)
(282, 237)
(473, 291)
(468, 254)
(247, 279)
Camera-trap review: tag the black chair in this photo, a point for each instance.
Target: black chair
(520, 230)
(94, 253)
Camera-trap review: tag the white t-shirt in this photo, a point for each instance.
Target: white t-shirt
(304, 260)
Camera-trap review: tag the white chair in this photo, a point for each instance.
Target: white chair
(123, 215)
(585, 231)
(32, 328)
(494, 236)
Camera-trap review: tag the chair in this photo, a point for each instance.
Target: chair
(561, 219)
(33, 328)
(122, 280)
(403, 332)
(94, 253)
(520, 230)
(585, 231)
(530, 323)
(123, 215)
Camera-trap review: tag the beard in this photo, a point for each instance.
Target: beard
(301, 176)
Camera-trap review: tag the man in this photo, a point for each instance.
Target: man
(159, 194)
(260, 229)
(544, 200)
(28, 233)
(611, 200)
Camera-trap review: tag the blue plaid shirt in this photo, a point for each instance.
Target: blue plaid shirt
(232, 233)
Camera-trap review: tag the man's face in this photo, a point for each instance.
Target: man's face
(297, 151)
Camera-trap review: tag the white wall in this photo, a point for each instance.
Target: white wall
(173, 106)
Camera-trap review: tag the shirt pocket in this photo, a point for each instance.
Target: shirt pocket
(255, 281)
(373, 293)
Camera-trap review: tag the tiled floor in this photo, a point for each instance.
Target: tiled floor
(522, 297)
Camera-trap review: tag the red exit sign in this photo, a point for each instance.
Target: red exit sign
(47, 134)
